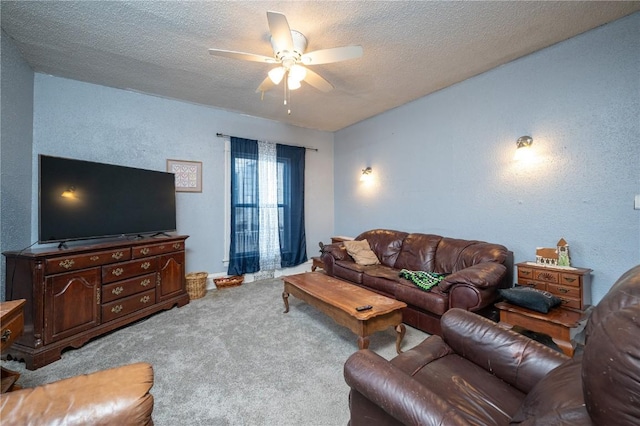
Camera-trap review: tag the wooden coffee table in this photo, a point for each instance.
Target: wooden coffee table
(338, 299)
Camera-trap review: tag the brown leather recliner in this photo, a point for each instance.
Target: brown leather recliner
(479, 373)
(118, 396)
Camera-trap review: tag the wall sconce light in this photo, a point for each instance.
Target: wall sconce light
(366, 174)
(70, 192)
(524, 142)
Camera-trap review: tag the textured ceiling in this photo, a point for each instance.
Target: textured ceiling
(411, 48)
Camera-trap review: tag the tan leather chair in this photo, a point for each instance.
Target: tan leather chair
(118, 396)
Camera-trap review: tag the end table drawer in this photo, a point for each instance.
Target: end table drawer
(125, 306)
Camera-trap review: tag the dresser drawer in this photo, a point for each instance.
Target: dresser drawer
(525, 273)
(128, 287)
(570, 279)
(133, 268)
(564, 291)
(87, 260)
(534, 284)
(122, 307)
(160, 248)
(547, 276)
(568, 302)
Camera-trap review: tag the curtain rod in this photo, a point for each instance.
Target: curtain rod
(222, 135)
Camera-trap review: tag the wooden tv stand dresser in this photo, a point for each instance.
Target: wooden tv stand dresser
(75, 294)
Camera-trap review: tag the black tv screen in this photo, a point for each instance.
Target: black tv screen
(82, 200)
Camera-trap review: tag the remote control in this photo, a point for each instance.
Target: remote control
(363, 308)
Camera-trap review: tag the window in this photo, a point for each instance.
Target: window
(244, 206)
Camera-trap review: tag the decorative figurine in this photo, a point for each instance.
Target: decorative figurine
(554, 257)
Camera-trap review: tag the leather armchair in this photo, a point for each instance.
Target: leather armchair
(118, 396)
(479, 373)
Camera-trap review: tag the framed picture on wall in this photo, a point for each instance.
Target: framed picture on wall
(188, 175)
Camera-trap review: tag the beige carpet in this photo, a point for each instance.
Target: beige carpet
(233, 358)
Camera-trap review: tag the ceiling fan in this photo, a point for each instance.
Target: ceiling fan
(290, 58)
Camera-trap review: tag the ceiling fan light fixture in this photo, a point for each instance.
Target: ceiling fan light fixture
(292, 83)
(298, 72)
(276, 75)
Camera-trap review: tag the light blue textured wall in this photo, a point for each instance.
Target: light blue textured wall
(97, 123)
(16, 113)
(444, 163)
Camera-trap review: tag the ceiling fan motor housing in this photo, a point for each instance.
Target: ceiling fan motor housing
(299, 47)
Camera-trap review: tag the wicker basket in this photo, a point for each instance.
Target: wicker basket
(225, 282)
(197, 284)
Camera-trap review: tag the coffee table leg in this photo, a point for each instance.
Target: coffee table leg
(285, 297)
(400, 329)
(363, 342)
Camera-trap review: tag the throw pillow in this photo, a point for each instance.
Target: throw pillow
(530, 298)
(361, 252)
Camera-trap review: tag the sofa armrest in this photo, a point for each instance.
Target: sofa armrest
(481, 275)
(514, 358)
(115, 396)
(397, 393)
(332, 253)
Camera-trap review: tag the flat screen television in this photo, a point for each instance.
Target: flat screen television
(85, 200)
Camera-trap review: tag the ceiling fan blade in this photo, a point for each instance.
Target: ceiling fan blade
(336, 54)
(280, 30)
(242, 55)
(266, 84)
(317, 81)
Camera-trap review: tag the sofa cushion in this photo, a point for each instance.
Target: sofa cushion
(432, 301)
(530, 298)
(453, 255)
(418, 252)
(479, 396)
(361, 252)
(349, 271)
(557, 399)
(386, 244)
(381, 278)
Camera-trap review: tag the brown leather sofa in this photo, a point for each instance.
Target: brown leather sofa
(476, 271)
(479, 373)
(118, 396)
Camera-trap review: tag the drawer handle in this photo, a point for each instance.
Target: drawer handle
(177, 246)
(117, 272)
(94, 258)
(116, 309)
(145, 299)
(161, 247)
(67, 263)
(117, 290)
(563, 290)
(117, 255)
(525, 272)
(145, 282)
(145, 265)
(5, 335)
(145, 250)
(569, 279)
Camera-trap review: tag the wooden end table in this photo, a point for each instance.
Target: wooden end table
(338, 300)
(12, 325)
(561, 324)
